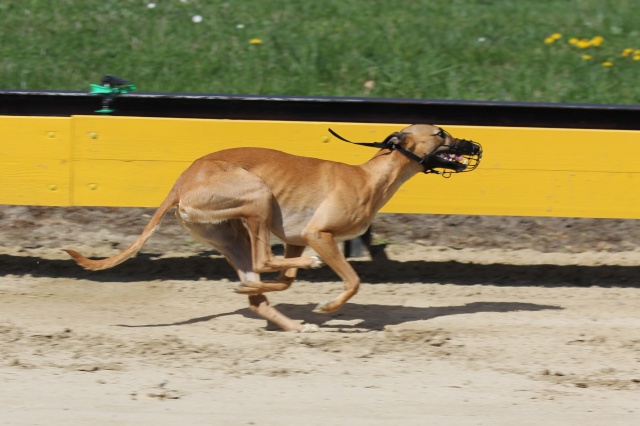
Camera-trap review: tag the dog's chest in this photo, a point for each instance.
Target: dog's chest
(351, 233)
(290, 224)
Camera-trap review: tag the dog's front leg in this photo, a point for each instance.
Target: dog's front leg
(263, 258)
(289, 275)
(327, 248)
(283, 282)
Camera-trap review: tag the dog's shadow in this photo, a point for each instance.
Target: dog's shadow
(354, 316)
(369, 317)
(152, 266)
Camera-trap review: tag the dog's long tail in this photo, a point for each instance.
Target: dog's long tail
(96, 265)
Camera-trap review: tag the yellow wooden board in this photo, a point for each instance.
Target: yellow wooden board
(523, 193)
(42, 183)
(124, 183)
(133, 161)
(35, 137)
(35, 155)
(161, 139)
(146, 183)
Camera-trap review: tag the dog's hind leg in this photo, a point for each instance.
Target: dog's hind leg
(263, 258)
(260, 305)
(283, 282)
(252, 286)
(232, 240)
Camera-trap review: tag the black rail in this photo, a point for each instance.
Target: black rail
(332, 109)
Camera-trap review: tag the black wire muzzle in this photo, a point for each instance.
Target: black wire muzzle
(471, 153)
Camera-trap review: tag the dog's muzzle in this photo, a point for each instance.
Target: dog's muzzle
(461, 156)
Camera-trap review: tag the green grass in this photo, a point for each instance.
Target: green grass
(435, 49)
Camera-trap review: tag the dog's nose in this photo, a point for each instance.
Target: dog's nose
(476, 148)
(466, 147)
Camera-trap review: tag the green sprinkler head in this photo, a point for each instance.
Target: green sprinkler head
(110, 88)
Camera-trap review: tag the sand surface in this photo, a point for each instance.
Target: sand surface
(476, 323)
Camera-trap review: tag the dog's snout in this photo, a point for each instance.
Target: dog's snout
(466, 147)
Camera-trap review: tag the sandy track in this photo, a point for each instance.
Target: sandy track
(436, 336)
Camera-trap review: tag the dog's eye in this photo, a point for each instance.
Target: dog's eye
(441, 134)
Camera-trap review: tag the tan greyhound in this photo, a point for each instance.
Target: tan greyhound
(234, 199)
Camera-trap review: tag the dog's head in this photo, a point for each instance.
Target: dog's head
(435, 149)
(431, 147)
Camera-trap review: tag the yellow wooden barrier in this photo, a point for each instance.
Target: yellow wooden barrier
(35, 156)
(133, 161)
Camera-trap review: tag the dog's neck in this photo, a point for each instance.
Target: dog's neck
(388, 170)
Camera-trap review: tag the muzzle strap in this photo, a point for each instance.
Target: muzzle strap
(384, 144)
(388, 145)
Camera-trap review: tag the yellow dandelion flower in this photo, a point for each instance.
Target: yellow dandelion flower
(556, 36)
(587, 57)
(636, 57)
(636, 52)
(573, 41)
(597, 41)
(583, 44)
(255, 41)
(607, 64)
(627, 52)
(549, 40)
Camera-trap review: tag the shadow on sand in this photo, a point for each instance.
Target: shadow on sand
(147, 267)
(369, 317)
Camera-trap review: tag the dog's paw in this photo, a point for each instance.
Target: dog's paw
(317, 262)
(325, 307)
(308, 328)
(246, 289)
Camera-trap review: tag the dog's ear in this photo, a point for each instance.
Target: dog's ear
(395, 138)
